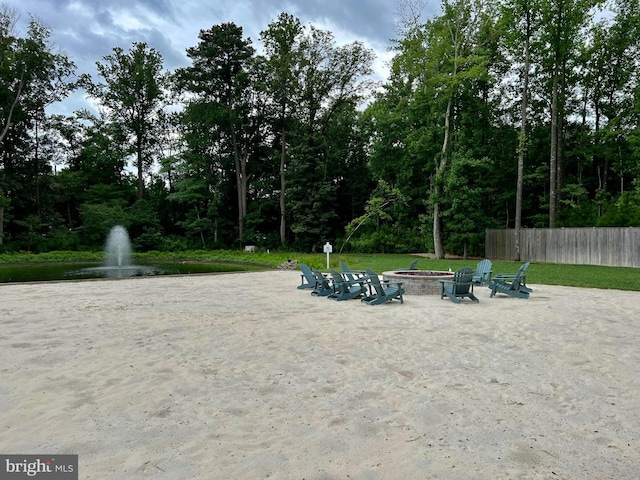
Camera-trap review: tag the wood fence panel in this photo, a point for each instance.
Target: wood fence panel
(613, 246)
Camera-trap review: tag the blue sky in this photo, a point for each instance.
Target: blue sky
(87, 30)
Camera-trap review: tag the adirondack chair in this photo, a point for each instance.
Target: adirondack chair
(308, 278)
(413, 266)
(461, 286)
(512, 285)
(521, 274)
(382, 293)
(483, 272)
(350, 274)
(345, 289)
(323, 287)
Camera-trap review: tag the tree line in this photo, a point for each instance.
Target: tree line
(496, 113)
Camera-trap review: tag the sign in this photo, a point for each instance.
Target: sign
(328, 248)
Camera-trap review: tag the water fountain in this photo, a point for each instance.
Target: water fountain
(117, 261)
(118, 248)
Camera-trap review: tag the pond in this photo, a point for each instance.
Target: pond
(79, 271)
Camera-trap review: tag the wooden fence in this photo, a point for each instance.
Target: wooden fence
(614, 246)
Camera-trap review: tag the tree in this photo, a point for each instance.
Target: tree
(32, 76)
(133, 93)
(221, 77)
(564, 19)
(520, 24)
(333, 84)
(281, 43)
(454, 58)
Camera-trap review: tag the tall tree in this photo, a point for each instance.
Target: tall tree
(221, 77)
(133, 92)
(32, 76)
(520, 26)
(566, 21)
(455, 57)
(281, 42)
(608, 75)
(333, 83)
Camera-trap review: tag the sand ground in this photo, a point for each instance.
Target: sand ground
(243, 376)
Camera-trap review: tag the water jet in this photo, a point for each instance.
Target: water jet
(118, 248)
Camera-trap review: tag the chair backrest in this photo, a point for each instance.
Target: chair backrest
(320, 278)
(414, 265)
(338, 279)
(306, 270)
(522, 270)
(462, 280)
(375, 282)
(483, 269)
(347, 271)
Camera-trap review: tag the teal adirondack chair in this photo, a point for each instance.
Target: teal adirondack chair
(511, 284)
(460, 286)
(323, 287)
(345, 289)
(308, 278)
(350, 274)
(483, 272)
(380, 293)
(412, 266)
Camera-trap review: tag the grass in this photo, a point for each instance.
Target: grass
(622, 278)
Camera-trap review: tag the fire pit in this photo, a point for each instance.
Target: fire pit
(418, 282)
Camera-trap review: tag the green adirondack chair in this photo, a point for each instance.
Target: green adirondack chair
(460, 286)
(412, 266)
(511, 284)
(380, 293)
(345, 289)
(350, 274)
(483, 272)
(323, 287)
(308, 278)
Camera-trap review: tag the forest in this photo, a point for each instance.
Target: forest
(495, 114)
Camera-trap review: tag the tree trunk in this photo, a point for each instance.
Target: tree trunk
(204, 244)
(440, 168)
(240, 160)
(283, 220)
(140, 172)
(553, 160)
(522, 147)
(7, 124)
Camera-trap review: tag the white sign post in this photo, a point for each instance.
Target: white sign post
(328, 249)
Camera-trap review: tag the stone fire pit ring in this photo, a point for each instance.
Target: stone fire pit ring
(418, 282)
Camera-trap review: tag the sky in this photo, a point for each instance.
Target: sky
(88, 30)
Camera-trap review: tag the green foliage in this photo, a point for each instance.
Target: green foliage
(98, 220)
(465, 192)
(622, 212)
(276, 149)
(374, 229)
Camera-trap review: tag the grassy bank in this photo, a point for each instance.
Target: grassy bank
(622, 278)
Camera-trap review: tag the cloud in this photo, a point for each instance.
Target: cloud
(88, 30)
